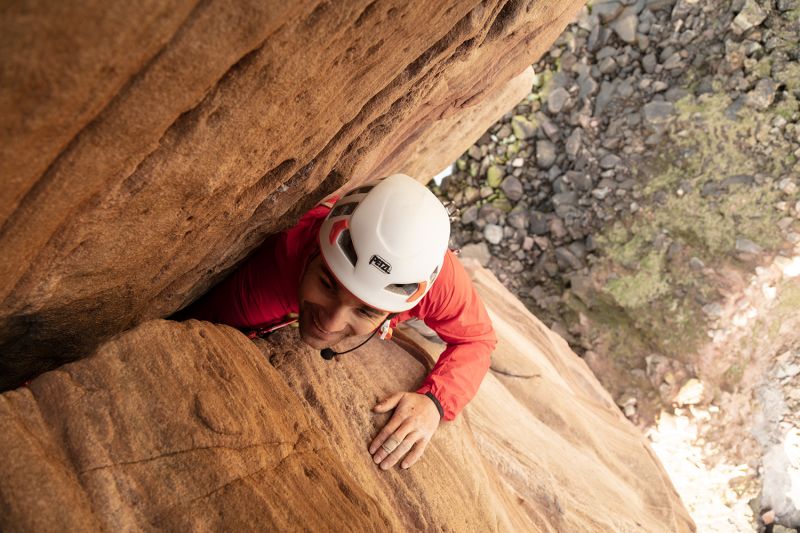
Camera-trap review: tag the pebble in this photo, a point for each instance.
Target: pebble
(750, 16)
(625, 27)
(493, 233)
(469, 215)
(479, 252)
(610, 161)
(517, 218)
(545, 154)
(538, 223)
(788, 186)
(494, 176)
(512, 188)
(747, 246)
(763, 95)
(604, 97)
(573, 143)
(522, 127)
(607, 10)
(657, 113)
(475, 152)
(527, 243)
(556, 100)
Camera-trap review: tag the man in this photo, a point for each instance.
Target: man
(378, 257)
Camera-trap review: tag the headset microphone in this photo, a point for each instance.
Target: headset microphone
(329, 353)
(386, 332)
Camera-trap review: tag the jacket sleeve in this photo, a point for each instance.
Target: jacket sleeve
(454, 310)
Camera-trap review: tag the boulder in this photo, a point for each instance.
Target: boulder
(148, 148)
(186, 426)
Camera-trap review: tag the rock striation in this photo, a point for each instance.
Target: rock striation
(147, 148)
(192, 426)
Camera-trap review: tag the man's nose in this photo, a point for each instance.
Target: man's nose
(333, 318)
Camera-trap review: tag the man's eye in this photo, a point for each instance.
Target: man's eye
(325, 283)
(365, 313)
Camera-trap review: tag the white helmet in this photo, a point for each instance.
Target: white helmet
(385, 242)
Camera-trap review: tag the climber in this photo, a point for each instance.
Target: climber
(377, 257)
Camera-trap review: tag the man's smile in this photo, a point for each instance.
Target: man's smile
(321, 333)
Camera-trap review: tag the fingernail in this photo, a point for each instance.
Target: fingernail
(404, 466)
(376, 459)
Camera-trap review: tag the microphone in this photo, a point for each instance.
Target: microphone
(386, 332)
(330, 353)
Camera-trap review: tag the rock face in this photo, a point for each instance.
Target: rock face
(148, 148)
(185, 426)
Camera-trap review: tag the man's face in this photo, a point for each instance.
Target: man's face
(328, 311)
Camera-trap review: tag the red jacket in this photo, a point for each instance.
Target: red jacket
(263, 292)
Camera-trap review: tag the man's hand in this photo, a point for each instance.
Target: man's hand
(411, 427)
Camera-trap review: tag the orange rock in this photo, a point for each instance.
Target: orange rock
(187, 426)
(148, 148)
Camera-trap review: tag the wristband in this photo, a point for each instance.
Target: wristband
(436, 403)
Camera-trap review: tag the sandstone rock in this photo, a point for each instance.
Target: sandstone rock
(252, 433)
(172, 426)
(437, 147)
(151, 147)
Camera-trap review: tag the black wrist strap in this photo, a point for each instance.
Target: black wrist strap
(436, 403)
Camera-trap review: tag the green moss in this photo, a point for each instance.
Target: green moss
(789, 75)
(789, 298)
(661, 299)
(764, 67)
(624, 247)
(788, 107)
(732, 376)
(643, 286)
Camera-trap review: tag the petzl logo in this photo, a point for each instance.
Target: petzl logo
(380, 264)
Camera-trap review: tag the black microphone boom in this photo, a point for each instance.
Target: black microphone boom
(329, 353)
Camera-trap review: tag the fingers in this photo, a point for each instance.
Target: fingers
(390, 437)
(415, 453)
(399, 452)
(380, 439)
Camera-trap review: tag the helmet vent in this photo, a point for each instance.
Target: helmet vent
(343, 209)
(346, 245)
(405, 289)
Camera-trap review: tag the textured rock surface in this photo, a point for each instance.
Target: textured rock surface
(191, 426)
(148, 148)
(446, 139)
